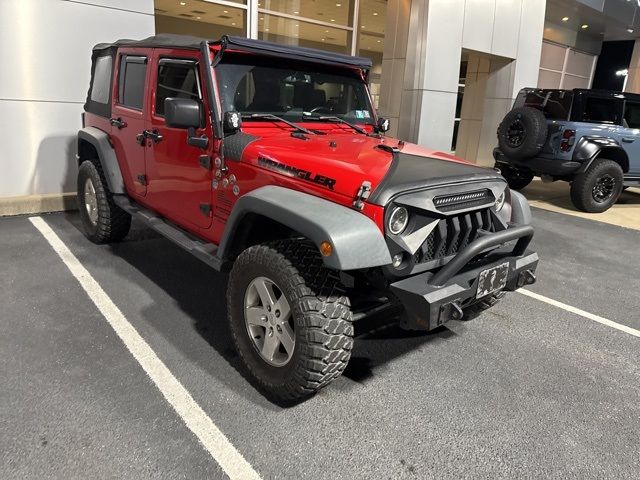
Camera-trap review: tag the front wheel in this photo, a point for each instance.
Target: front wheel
(289, 320)
(599, 187)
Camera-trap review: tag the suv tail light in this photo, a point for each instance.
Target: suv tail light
(568, 137)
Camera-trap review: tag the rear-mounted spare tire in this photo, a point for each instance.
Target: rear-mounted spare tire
(522, 133)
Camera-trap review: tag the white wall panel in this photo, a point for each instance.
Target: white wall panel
(50, 53)
(505, 28)
(438, 110)
(46, 57)
(478, 24)
(38, 147)
(529, 45)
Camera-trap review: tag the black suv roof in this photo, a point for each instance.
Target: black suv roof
(590, 92)
(232, 43)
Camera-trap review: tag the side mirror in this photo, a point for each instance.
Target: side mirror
(382, 125)
(182, 113)
(231, 122)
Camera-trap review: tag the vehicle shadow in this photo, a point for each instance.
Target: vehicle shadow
(199, 292)
(558, 195)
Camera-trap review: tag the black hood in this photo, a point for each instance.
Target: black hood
(413, 172)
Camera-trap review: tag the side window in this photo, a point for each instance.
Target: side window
(601, 110)
(101, 80)
(176, 79)
(131, 82)
(632, 115)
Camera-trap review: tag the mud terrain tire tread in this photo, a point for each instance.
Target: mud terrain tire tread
(582, 186)
(535, 126)
(322, 316)
(113, 222)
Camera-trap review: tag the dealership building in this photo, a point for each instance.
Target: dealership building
(444, 72)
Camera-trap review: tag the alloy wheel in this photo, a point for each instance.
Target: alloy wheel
(603, 188)
(91, 201)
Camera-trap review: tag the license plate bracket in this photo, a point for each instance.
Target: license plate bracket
(492, 280)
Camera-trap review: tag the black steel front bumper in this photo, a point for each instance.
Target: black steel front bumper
(429, 299)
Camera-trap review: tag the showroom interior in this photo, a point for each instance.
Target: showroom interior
(120, 358)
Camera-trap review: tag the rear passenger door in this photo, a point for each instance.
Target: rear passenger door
(128, 117)
(179, 182)
(631, 136)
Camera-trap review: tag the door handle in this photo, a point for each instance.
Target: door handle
(153, 135)
(628, 140)
(118, 122)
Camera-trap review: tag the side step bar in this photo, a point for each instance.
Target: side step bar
(202, 250)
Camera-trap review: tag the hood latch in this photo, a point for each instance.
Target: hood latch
(363, 193)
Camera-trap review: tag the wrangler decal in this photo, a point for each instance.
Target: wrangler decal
(296, 172)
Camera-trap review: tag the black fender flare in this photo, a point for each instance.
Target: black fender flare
(357, 241)
(106, 155)
(590, 147)
(520, 209)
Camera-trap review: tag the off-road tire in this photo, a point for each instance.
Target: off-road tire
(113, 223)
(321, 315)
(534, 125)
(583, 184)
(482, 305)
(516, 179)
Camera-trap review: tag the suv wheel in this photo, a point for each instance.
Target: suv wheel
(102, 219)
(290, 322)
(598, 188)
(522, 133)
(517, 179)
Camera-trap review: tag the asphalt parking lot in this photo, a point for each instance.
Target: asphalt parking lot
(527, 389)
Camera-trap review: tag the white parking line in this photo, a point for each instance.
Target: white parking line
(582, 313)
(213, 440)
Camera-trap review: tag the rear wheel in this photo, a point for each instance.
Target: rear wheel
(517, 179)
(103, 221)
(599, 187)
(522, 133)
(290, 321)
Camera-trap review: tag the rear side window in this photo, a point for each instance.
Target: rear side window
(632, 115)
(555, 104)
(133, 70)
(101, 80)
(176, 79)
(601, 110)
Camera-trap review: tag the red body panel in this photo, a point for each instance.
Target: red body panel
(177, 184)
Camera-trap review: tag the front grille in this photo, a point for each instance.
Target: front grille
(461, 201)
(454, 233)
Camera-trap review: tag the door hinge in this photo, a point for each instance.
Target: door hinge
(205, 161)
(363, 194)
(142, 179)
(205, 209)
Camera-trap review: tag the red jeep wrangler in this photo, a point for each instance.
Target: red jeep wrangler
(269, 162)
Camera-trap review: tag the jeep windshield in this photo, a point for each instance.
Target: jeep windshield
(293, 91)
(555, 104)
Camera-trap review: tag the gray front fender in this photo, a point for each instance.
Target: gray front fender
(356, 239)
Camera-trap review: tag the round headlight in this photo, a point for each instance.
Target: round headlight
(500, 201)
(398, 220)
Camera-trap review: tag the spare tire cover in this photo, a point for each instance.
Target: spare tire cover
(522, 133)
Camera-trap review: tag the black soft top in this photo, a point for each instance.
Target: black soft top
(256, 47)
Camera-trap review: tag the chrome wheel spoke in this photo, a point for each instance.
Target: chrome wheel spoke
(265, 292)
(255, 316)
(287, 338)
(282, 309)
(270, 346)
(91, 201)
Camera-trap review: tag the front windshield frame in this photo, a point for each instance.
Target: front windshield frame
(294, 79)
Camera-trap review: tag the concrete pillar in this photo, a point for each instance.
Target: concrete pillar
(633, 78)
(420, 78)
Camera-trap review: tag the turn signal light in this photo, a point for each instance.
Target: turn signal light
(326, 249)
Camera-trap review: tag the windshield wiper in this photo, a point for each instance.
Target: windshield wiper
(270, 116)
(337, 120)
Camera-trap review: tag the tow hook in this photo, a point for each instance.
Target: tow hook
(450, 311)
(526, 277)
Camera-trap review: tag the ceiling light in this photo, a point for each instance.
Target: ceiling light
(225, 11)
(338, 4)
(197, 18)
(378, 41)
(564, 19)
(297, 25)
(362, 26)
(630, 30)
(233, 23)
(584, 26)
(375, 13)
(333, 20)
(326, 31)
(266, 29)
(183, 3)
(323, 39)
(296, 13)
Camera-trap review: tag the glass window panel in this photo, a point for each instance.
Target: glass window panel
(133, 72)
(632, 115)
(579, 63)
(571, 81)
(601, 110)
(176, 80)
(294, 32)
(552, 56)
(334, 11)
(371, 40)
(549, 79)
(200, 19)
(101, 80)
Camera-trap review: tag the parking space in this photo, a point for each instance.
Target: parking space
(526, 389)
